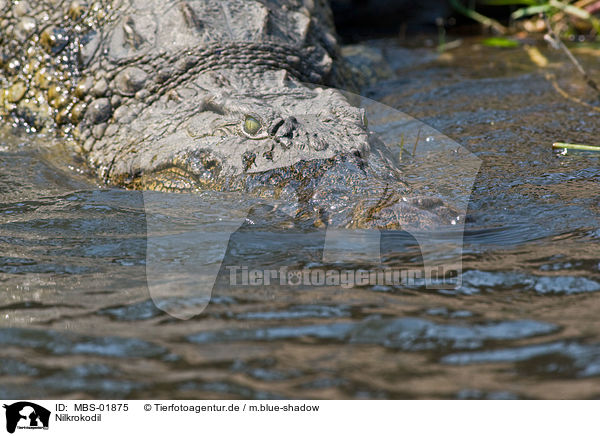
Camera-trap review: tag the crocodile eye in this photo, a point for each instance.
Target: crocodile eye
(251, 125)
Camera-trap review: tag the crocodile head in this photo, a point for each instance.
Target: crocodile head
(221, 130)
(265, 133)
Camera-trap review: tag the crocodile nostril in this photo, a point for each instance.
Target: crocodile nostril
(276, 125)
(283, 128)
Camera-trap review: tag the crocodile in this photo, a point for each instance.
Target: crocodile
(190, 95)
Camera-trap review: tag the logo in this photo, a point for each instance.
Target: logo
(26, 415)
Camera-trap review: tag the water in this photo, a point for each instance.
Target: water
(77, 319)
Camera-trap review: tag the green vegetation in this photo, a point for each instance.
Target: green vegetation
(564, 147)
(500, 42)
(556, 20)
(571, 18)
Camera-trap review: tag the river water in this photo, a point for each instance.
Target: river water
(79, 319)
